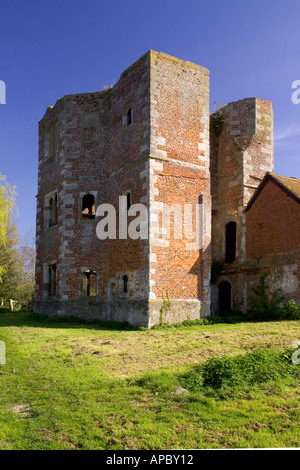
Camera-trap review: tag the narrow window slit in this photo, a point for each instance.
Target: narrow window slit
(89, 283)
(88, 206)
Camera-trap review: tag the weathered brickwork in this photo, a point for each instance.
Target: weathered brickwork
(148, 139)
(272, 222)
(240, 157)
(161, 156)
(273, 235)
(241, 153)
(179, 175)
(96, 154)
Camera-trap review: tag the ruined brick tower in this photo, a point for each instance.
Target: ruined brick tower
(147, 138)
(150, 140)
(241, 154)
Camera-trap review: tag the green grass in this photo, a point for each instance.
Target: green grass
(98, 386)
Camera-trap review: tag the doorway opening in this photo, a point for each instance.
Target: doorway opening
(225, 295)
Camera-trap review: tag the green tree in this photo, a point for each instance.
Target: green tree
(11, 261)
(27, 250)
(18, 257)
(7, 203)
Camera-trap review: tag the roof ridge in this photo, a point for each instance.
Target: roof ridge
(292, 190)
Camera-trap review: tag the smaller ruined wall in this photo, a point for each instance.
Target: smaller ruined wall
(176, 311)
(283, 274)
(241, 150)
(241, 154)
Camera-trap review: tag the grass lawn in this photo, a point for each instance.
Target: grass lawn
(80, 386)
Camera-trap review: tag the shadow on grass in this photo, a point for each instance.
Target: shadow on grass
(31, 319)
(227, 374)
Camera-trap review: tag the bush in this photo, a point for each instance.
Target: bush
(265, 304)
(199, 321)
(163, 382)
(220, 371)
(242, 371)
(210, 320)
(289, 311)
(193, 380)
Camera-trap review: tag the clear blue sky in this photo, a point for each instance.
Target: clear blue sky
(49, 49)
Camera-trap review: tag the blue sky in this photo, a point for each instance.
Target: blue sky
(49, 49)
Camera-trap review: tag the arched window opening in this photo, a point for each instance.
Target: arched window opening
(224, 298)
(125, 284)
(230, 242)
(128, 117)
(52, 280)
(89, 283)
(53, 211)
(88, 206)
(52, 139)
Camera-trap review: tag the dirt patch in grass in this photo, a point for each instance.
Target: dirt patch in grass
(23, 411)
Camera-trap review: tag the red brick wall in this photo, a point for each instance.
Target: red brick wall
(240, 157)
(273, 234)
(163, 156)
(95, 151)
(273, 223)
(179, 174)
